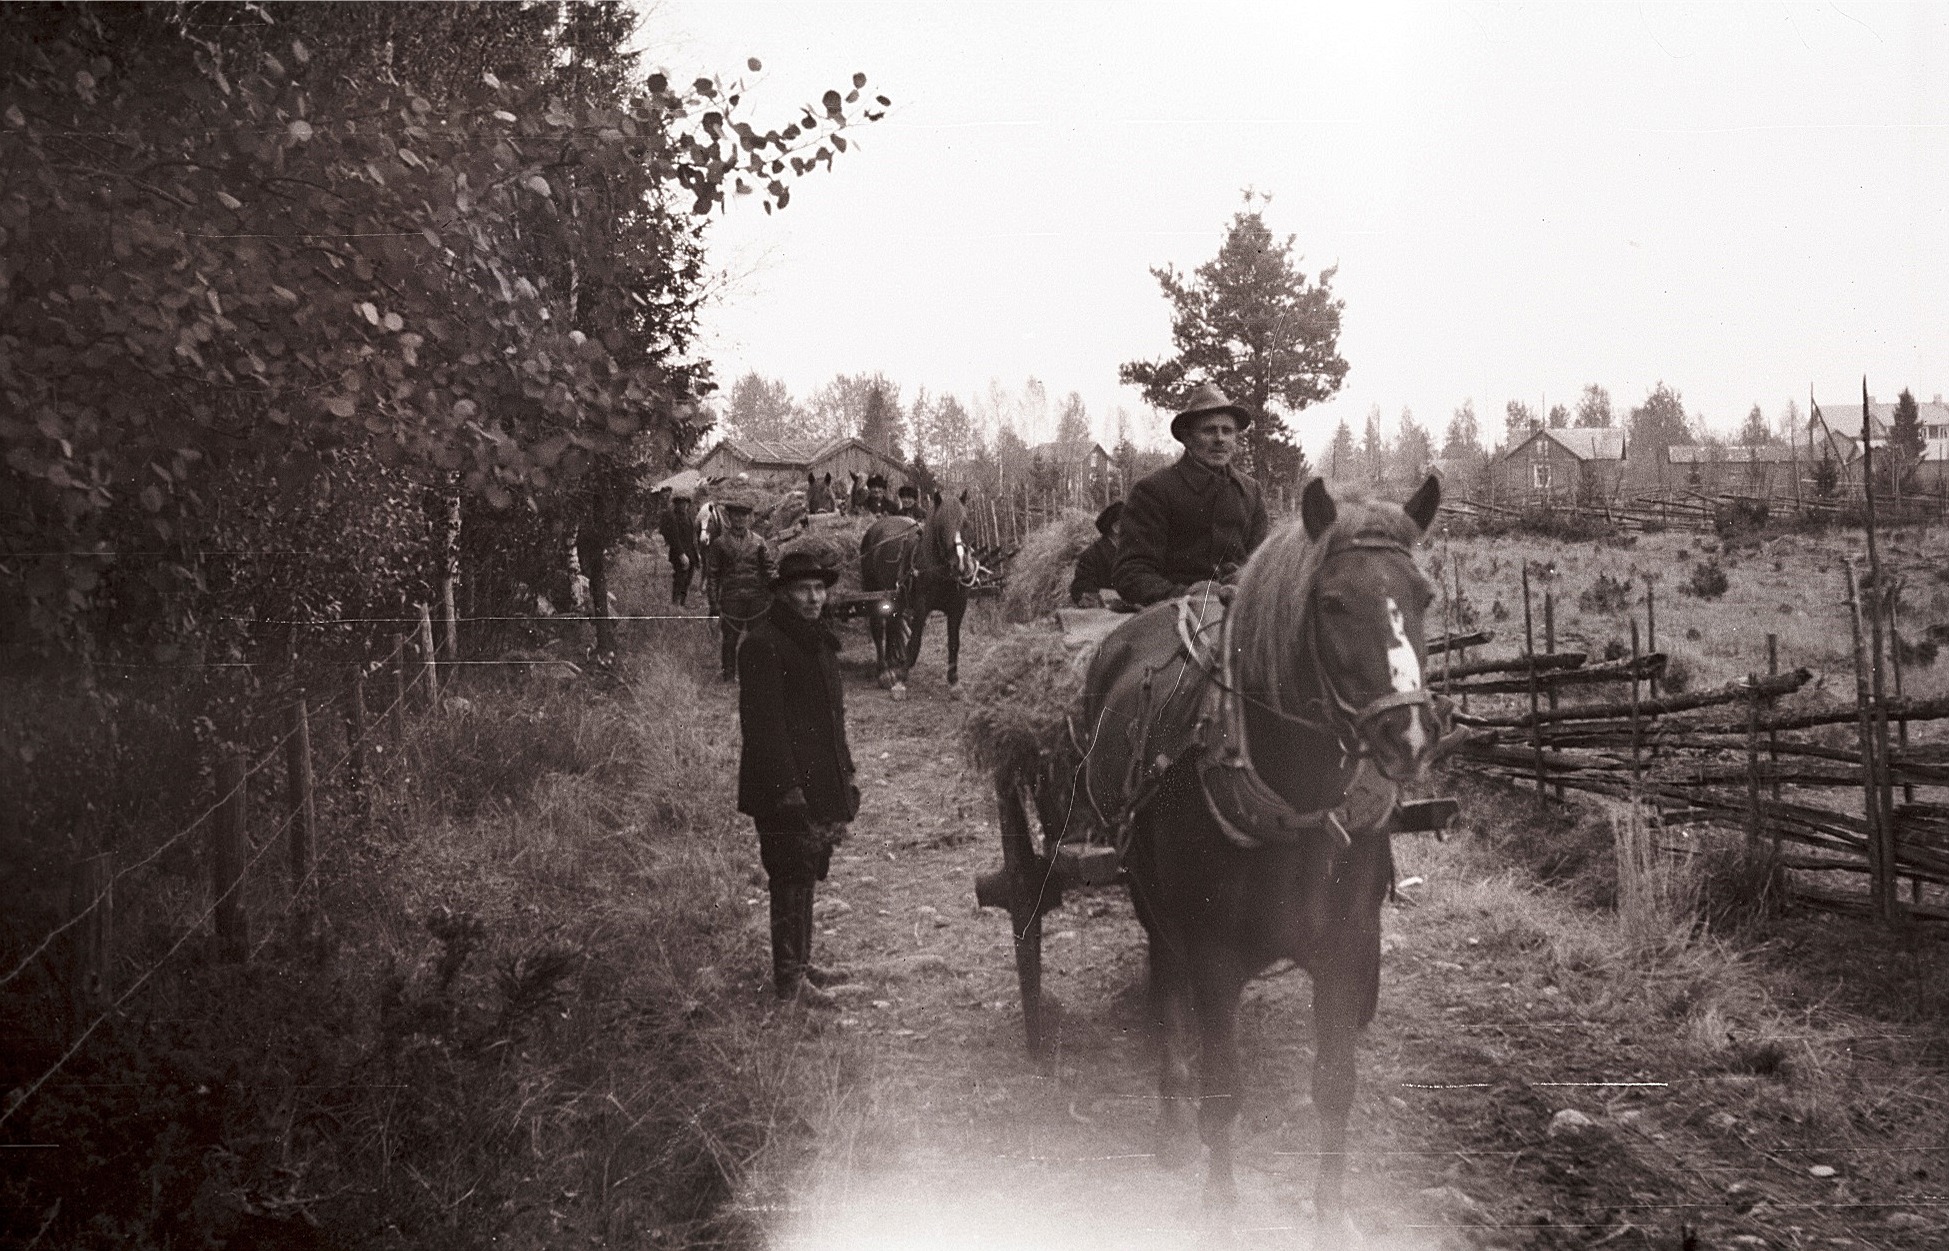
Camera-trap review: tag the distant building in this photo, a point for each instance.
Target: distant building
(1764, 470)
(1834, 431)
(1568, 466)
(1081, 469)
(781, 464)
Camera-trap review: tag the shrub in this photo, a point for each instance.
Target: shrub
(1708, 581)
(1737, 517)
(1607, 594)
(1677, 678)
(1921, 654)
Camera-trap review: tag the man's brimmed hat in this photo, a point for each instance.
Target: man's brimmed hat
(1106, 520)
(1207, 399)
(803, 563)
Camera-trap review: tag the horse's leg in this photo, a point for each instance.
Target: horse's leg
(1170, 1013)
(1345, 990)
(917, 629)
(957, 606)
(1216, 984)
(877, 631)
(896, 653)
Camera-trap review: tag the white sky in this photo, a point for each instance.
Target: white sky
(1744, 200)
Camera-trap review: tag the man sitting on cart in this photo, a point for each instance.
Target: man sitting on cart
(1197, 519)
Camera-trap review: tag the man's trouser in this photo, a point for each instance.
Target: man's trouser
(794, 861)
(682, 566)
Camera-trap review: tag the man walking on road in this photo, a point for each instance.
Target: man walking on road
(678, 526)
(795, 770)
(738, 572)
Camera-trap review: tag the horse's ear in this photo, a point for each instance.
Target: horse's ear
(1316, 509)
(964, 495)
(1424, 503)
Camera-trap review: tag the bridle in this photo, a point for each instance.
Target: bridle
(1330, 714)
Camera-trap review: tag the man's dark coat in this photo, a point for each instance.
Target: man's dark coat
(792, 711)
(1095, 568)
(1185, 523)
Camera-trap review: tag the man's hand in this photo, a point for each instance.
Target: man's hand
(794, 799)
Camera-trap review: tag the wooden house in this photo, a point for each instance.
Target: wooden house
(1834, 433)
(780, 464)
(1572, 466)
(1764, 470)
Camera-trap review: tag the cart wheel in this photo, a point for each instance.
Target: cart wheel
(1028, 971)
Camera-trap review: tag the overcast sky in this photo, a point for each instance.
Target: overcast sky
(1744, 200)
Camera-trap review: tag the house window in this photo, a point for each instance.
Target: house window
(1539, 476)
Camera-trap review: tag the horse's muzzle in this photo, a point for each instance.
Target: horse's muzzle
(1402, 734)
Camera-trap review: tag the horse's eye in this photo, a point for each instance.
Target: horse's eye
(1333, 604)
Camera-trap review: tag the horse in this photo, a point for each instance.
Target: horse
(1266, 839)
(928, 566)
(886, 559)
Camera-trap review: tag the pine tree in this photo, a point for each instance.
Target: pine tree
(1906, 444)
(1342, 455)
(1463, 439)
(1251, 322)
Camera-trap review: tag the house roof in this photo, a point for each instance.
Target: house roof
(1845, 418)
(798, 454)
(1584, 444)
(1590, 444)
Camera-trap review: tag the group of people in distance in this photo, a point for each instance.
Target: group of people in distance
(1196, 520)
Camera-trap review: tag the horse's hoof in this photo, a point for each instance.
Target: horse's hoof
(953, 692)
(898, 690)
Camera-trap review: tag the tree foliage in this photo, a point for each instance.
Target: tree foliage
(1519, 422)
(1755, 431)
(1660, 421)
(1906, 443)
(1252, 322)
(252, 280)
(1594, 409)
(1463, 437)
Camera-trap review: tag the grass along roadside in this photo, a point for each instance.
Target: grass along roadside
(536, 1017)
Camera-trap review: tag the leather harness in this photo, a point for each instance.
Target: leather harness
(1247, 809)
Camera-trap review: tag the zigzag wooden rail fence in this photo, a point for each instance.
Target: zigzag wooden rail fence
(1732, 756)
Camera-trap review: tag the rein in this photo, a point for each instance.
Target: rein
(1337, 717)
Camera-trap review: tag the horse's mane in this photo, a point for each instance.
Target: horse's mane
(1275, 591)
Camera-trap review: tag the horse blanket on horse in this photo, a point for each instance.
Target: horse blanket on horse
(1160, 690)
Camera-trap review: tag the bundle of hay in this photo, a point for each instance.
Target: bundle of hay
(1018, 698)
(835, 536)
(1039, 573)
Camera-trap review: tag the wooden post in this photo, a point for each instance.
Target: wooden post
(398, 711)
(1455, 572)
(1549, 648)
(1651, 627)
(1878, 712)
(303, 830)
(1773, 736)
(1535, 722)
(1881, 874)
(449, 575)
(90, 891)
(1753, 763)
(1901, 719)
(355, 723)
(1637, 764)
(429, 664)
(228, 843)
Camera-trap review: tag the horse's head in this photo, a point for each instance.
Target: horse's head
(945, 541)
(1356, 600)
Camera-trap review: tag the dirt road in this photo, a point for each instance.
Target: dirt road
(1487, 1031)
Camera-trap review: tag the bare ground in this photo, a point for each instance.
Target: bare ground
(1785, 1093)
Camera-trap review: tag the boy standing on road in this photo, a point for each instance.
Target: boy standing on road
(795, 771)
(738, 570)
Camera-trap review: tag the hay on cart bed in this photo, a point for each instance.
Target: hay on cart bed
(1019, 696)
(1040, 572)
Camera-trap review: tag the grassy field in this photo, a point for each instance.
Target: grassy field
(1790, 585)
